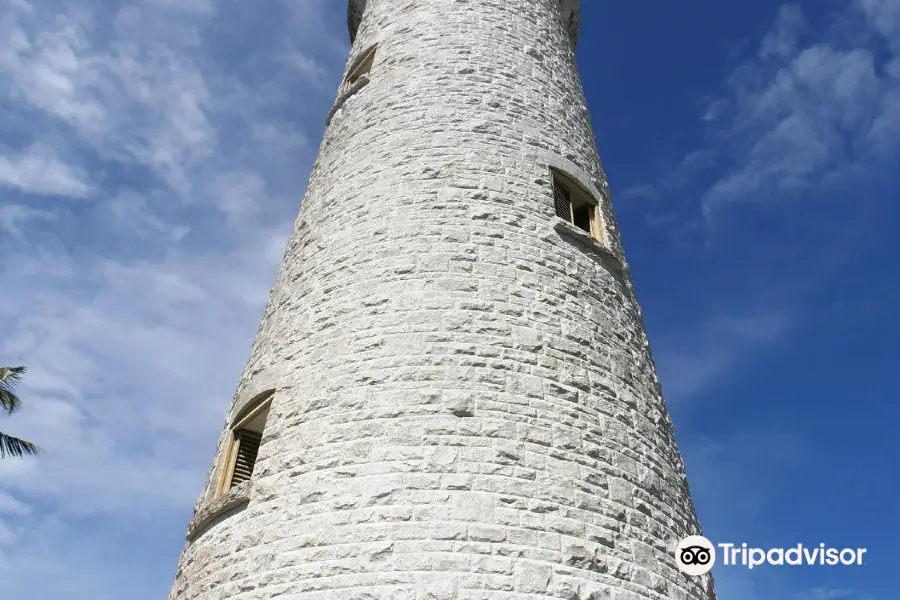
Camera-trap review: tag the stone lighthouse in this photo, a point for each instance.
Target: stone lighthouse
(451, 394)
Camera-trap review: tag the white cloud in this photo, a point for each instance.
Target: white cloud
(635, 194)
(14, 217)
(782, 41)
(193, 146)
(11, 506)
(884, 15)
(36, 170)
(809, 112)
(697, 355)
(824, 593)
(189, 128)
(734, 477)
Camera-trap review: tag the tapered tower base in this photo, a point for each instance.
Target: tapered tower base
(451, 395)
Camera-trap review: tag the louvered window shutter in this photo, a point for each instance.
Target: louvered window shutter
(248, 447)
(562, 201)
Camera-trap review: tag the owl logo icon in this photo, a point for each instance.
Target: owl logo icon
(695, 555)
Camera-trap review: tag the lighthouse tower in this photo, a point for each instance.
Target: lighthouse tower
(451, 395)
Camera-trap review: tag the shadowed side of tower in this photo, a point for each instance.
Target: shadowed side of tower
(451, 395)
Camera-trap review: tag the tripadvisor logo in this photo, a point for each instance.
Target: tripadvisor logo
(696, 555)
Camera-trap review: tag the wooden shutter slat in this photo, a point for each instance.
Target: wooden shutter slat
(247, 451)
(562, 201)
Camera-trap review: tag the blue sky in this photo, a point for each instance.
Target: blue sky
(152, 157)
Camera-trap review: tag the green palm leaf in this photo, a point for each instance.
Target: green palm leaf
(9, 401)
(9, 377)
(13, 446)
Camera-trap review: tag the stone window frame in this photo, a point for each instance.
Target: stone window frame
(357, 78)
(360, 69)
(258, 406)
(578, 197)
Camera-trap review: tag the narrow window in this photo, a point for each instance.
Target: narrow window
(575, 205)
(244, 442)
(360, 67)
(247, 447)
(562, 200)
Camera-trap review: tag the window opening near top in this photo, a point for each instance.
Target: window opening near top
(576, 206)
(246, 437)
(247, 443)
(562, 201)
(361, 66)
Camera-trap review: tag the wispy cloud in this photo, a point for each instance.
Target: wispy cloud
(807, 115)
(735, 479)
(803, 129)
(36, 170)
(695, 356)
(184, 123)
(736, 475)
(190, 145)
(637, 193)
(823, 593)
(15, 217)
(808, 111)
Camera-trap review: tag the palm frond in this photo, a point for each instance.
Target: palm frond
(12, 373)
(13, 446)
(9, 377)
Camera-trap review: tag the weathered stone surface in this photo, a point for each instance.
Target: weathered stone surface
(466, 406)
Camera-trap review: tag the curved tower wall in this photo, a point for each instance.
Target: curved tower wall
(465, 405)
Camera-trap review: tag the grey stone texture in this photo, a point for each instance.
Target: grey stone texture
(466, 405)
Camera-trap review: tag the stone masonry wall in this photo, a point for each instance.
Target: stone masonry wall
(466, 406)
